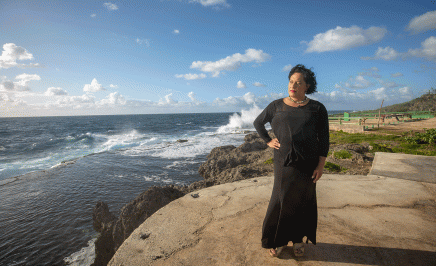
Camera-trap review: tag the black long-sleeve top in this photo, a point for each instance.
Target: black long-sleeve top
(304, 129)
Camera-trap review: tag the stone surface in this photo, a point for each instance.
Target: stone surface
(405, 166)
(363, 220)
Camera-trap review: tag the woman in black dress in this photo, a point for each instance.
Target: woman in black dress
(301, 145)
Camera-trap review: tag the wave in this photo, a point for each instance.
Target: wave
(239, 122)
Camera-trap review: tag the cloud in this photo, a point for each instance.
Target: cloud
(53, 91)
(422, 23)
(93, 87)
(75, 102)
(21, 85)
(190, 76)
(11, 53)
(231, 63)
(258, 84)
(246, 101)
(191, 96)
(93, 15)
(168, 100)
(241, 85)
(386, 54)
(345, 38)
(142, 41)
(206, 3)
(372, 72)
(358, 83)
(287, 68)
(427, 51)
(176, 31)
(396, 75)
(110, 6)
(112, 99)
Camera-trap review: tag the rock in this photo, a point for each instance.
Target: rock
(182, 140)
(101, 216)
(114, 232)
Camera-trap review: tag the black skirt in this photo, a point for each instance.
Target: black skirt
(292, 211)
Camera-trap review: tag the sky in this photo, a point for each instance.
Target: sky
(193, 56)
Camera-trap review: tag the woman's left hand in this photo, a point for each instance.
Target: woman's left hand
(319, 169)
(317, 173)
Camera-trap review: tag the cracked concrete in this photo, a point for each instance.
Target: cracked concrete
(363, 220)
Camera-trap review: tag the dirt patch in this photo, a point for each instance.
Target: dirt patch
(406, 126)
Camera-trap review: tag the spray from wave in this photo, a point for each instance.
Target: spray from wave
(240, 122)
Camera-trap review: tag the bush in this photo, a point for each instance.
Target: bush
(428, 137)
(342, 154)
(269, 161)
(333, 167)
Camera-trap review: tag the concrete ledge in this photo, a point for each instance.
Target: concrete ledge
(405, 166)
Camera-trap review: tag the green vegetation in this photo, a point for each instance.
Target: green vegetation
(334, 167)
(342, 154)
(408, 143)
(428, 137)
(269, 161)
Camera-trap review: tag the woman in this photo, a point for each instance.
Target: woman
(301, 145)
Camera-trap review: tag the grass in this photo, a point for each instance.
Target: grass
(334, 167)
(269, 161)
(342, 154)
(386, 143)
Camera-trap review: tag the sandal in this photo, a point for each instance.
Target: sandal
(298, 249)
(275, 252)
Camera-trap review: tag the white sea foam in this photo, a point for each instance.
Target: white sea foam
(83, 257)
(237, 123)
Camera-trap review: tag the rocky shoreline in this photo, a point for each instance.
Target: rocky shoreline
(224, 164)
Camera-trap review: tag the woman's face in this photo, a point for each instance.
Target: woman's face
(297, 87)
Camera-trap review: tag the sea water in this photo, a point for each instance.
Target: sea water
(53, 170)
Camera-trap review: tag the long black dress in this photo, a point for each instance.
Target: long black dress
(303, 134)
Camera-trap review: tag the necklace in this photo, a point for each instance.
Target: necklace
(299, 102)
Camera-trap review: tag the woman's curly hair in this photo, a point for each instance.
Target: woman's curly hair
(309, 77)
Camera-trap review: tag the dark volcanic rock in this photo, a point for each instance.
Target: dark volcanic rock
(229, 163)
(101, 216)
(114, 232)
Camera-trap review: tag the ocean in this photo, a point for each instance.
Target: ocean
(53, 170)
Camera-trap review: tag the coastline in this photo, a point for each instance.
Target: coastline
(225, 164)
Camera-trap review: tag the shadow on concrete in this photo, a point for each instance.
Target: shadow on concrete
(367, 255)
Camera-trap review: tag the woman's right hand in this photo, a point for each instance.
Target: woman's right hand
(274, 144)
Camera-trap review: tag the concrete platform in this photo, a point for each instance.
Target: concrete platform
(363, 220)
(405, 166)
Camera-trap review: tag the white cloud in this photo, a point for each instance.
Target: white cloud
(11, 53)
(241, 85)
(55, 91)
(372, 72)
(93, 15)
(386, 53)
(112, 99)
(258, 84)
(427, 51)
(112, 86)
(388, 84)
(21, 85)
(191, 96)
(358, 83)
(231, 63)
(422, 23)
(93, 87)
(110, 6)
(398, 74)
(143, 41)
(191, 76)
(176, 31)
(345, 38)
(74, 102)
(287, 68)
(211, 2)
(168, 100)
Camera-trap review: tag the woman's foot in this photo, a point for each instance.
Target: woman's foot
(298, 249)
(275, 252)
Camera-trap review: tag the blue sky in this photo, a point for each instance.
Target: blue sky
(190, 56)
